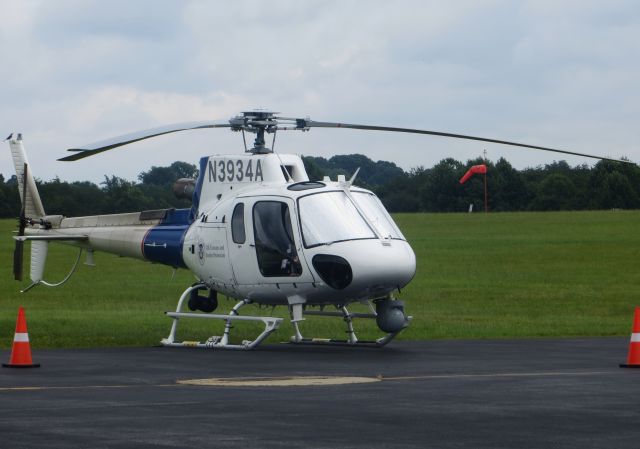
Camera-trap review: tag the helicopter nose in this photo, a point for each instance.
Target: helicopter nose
(383, 267)
(367, 268)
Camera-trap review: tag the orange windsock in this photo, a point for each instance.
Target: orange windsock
(21, 351)
(633, 359)
(475, 170)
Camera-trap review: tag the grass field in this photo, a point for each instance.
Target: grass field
(479, 276)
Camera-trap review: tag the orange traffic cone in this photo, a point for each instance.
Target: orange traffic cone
(633, 360)
(21, 351)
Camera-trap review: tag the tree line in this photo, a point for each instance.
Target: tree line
(555, 186)
(113, 195)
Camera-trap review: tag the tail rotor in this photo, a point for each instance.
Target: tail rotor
(18, 252)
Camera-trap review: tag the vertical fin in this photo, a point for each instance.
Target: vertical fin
(30, 197)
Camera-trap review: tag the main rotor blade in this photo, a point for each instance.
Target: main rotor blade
(314, 124)
(114, 142)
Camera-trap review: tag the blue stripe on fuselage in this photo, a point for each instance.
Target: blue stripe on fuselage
(163, 243)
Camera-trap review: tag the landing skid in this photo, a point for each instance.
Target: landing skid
(352, 340)
(218, 342)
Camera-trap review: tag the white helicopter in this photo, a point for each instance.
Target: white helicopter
(258, 230)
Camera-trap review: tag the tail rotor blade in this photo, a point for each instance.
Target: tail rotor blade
(23, 218)
(18, 259)
(18, 252)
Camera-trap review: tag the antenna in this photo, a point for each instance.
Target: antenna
(353, 178)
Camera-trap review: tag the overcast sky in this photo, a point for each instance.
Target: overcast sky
(558, 73)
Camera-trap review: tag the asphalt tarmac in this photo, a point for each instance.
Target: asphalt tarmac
(561, 393)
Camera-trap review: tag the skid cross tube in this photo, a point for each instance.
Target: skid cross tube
(270, 325)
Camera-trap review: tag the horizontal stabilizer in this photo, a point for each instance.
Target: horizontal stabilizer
(51, 238)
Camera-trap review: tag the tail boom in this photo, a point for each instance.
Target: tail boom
(155, 236)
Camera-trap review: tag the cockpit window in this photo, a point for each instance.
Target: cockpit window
(275, 246)
(330, 217)
(377, 215)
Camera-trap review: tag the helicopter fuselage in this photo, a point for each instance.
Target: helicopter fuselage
(286, 240)
(272, 246)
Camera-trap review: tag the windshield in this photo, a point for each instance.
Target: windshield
(377, 215)
(330, 217)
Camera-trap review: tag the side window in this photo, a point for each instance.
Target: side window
(275, 246)
(238, 233)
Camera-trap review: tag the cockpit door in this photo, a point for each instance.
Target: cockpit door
(265, 244)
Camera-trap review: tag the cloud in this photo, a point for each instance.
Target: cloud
(546, 73)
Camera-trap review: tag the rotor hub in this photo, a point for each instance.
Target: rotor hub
(260, 122)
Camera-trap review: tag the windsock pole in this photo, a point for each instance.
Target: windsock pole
(486, 202)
